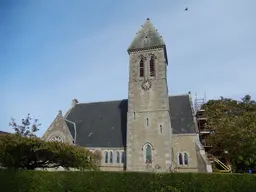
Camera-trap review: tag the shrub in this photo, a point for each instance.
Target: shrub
(31, 153)
(93, 181)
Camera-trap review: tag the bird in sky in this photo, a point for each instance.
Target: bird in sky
(186, 9)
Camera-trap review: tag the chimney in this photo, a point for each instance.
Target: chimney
(74, 102)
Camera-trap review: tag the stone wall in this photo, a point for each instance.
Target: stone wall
(148, 118)
(58, 128)
(114, 165)
(185, 143)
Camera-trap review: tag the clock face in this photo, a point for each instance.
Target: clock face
(146, 85)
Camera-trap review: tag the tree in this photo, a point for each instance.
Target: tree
(31, 153)
(234, 123)
(28, 126)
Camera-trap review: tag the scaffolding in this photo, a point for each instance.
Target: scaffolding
(200, 117)
(204, 133)
(199, 102)
(225, 168)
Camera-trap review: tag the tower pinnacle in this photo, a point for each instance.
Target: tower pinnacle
(147, 37)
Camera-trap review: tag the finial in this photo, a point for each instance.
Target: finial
(148, 19)
(74, 102)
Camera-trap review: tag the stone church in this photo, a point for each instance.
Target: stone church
(149, 131)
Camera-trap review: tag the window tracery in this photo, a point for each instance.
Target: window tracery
(183, 158)
(56, 138)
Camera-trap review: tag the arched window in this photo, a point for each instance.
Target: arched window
(141, 68)
(111, 157)
(152, 66)
(148, 154)
(185, 158)
(180, 159)
(106, 157)
(117, 157)
(147, 121)
(122, 160)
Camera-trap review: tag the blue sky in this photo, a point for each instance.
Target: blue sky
(54, 51)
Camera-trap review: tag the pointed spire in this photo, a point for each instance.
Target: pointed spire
(148, 37)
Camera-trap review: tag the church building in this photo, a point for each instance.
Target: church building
(149, 131)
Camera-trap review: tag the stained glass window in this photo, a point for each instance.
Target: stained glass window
(148, 153)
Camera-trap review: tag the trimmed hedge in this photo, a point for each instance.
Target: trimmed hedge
(40, 181)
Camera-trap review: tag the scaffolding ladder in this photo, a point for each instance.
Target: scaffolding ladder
(225, 167)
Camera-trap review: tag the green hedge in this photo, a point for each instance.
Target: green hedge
(39, 181)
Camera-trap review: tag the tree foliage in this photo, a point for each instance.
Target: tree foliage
(28, 127)
(31, 153)
(234, 123)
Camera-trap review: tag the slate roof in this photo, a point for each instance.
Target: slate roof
(147, 37)
(3, 132)
(103, 124)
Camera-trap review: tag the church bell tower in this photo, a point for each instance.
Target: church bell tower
(148, 119)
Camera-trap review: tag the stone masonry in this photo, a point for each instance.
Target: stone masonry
(151, 130)
(147, 111)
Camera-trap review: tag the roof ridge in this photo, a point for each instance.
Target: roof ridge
(177, 95)
(4, 132)
(108, 101)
